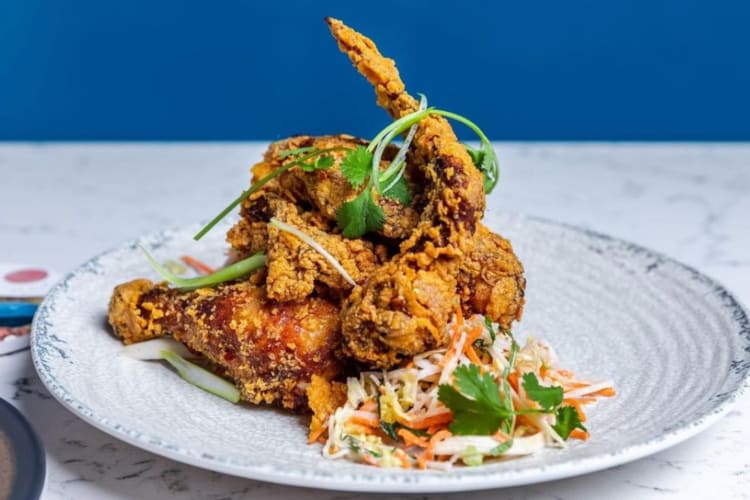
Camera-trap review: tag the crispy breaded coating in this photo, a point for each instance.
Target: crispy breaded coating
(324, 397)
(491, 280)
(404, 306)
(295, 268)
(271, 350)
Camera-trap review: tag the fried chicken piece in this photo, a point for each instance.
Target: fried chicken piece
(491, 280)
(403, 307)
(271, 350)
(295, 269)
(324, 398)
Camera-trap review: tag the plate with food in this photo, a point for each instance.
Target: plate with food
(365, 324)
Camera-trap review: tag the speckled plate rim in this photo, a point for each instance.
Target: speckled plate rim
(397, 481)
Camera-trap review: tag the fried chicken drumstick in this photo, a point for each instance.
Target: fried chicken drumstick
(271, 350)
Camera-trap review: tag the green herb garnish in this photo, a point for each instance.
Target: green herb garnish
(567, 419)
(547, 397)
(475, 402)
(355, 167)
(360, 215)
(231, 272)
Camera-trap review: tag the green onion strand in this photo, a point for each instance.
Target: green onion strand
(231, 272)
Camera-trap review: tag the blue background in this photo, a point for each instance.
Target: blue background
(232, 70)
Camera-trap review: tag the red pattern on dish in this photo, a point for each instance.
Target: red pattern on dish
(18, 331)
(26, 275)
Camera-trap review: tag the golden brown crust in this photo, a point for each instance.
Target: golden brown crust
(403, 308)
(491, 280)
(271, 350)
(324, 397)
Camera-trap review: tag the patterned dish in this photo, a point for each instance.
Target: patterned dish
(676, 344)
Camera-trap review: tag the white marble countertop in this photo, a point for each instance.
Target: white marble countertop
(64, 203)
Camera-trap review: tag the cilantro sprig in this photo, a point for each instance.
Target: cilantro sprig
(475, 402)
(361, 166)
(567, 419)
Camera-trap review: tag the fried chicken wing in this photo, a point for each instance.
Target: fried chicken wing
(403, 307)
(271, 350)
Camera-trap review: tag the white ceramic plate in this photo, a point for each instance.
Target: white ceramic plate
(676, 344)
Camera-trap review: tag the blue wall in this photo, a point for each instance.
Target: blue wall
(228, 70)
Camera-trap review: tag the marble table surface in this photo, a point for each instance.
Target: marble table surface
(62, 203)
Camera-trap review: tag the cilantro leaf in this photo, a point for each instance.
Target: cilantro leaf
(485, 160)
(356, 166)
(547, 397)
(360, 215)
(400, 191)
(475, 402)
(567, 419)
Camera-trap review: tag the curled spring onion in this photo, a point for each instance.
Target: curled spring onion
(396, 168)
(282, 226)
(488, 163)
(234, 271)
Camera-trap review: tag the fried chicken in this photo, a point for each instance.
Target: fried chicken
(295, 269)
(491, 280)
(284, 333)
(403, 307)
(271, 350)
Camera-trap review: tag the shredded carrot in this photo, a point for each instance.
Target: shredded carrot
(579, 434)
(403, 458)
(586, 400)
(197, 265)
(607, 392)
(434, 429)
(501, 436)
(473, 357)
(513, 380)
(427, 422)
(314, 436)
(473, 334)
(411, 439)
(570, 386)
(364, 421)
(459, 315)
(369, 405)
(575, 404)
